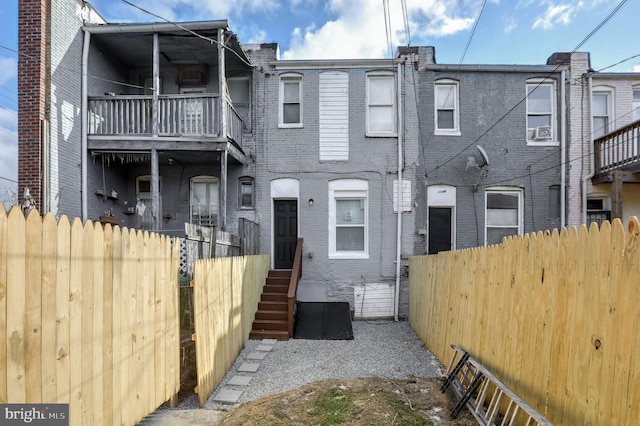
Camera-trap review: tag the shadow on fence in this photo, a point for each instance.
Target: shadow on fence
(555, 316)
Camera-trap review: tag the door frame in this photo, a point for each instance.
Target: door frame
(282, 189)
(443, 196)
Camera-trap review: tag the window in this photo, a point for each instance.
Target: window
(601, 113)
(446, 107)
(144, 214)
(290, 100)
(245, 191)
(540, 112)
(204, 200)
(636, 103)
(554, 202)
(598, 209)
(503, 214)
(381, 109)
(240, 94)
(348, 219)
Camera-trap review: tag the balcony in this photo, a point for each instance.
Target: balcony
(618, 151)
(180, 118)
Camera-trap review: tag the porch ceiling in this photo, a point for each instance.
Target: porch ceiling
(136, 49)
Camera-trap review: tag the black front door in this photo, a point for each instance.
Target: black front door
(286, 232)
(439, 229)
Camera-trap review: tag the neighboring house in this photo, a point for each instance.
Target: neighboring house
(489, 165)
(147, 123)
(334, 135)
(604, 138)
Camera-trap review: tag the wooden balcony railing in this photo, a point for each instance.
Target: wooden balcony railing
(618, 150)
(178, 116)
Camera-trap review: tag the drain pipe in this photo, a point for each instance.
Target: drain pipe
(83, 125)
(399, 200)
(563, 150)
(586, 178)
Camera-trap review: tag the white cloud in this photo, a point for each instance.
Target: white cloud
(358, 31)
(557, 14)
(8, 69)
(636, 68)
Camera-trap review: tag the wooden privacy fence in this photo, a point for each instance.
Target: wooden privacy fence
(226, 294)
(554, 316)
(88, 316)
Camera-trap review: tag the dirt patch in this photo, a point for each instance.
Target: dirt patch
(372, 401)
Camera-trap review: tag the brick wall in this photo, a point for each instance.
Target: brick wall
(33, 69)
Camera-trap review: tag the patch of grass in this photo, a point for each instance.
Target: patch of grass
(332, 407)
(405, 416)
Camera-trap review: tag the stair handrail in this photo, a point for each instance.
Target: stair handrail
(296, 273)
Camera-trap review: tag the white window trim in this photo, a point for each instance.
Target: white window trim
(394, 106)
(348, 188)
(609, 93)
(203, 179)
(635, 104)
(456, 109)
(502, 190)
(554, 113)
(241, 181)
(289, 77)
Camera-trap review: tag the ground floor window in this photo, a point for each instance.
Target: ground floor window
(598, 210)
(348, 219)
(504, 214)
(204, 200)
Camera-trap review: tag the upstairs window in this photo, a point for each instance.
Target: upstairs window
(601, 113)
(240, 94)
(636, 103)
(446, 108)
(290, 100)
(381, 105)
(540, 112)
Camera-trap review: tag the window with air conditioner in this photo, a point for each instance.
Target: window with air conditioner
(541, 112)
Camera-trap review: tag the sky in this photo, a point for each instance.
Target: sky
(462, 31)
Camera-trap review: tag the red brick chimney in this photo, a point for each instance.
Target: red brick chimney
(34, 65)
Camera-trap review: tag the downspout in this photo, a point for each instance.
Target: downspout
(399, 200)
(83, 125)
(563, 150)
(591, 154)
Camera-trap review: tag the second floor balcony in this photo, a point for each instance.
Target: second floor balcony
(618, 150)
(199, 117)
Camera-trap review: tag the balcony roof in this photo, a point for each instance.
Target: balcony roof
(180, 43)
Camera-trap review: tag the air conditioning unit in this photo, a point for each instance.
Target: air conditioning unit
(192, 74)
(543, 133)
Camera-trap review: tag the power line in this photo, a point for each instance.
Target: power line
(405, 17)
(598, 27)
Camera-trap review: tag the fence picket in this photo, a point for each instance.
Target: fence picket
(63, 256)
(555, 315)
(33, 305)
(48, 353)
(3, 305)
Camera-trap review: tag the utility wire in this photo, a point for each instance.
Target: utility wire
(598, 27)
(405, 17)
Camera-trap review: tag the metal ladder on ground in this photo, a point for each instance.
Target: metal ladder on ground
(483, 394)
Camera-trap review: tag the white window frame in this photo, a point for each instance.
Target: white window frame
(370, 103)
(243, 181)
(455, 131)
(635, 102)
(288, 79)
(509, 190)
(246, 104)
(204, 179)
(530, 134)
(347, 189)
(597, 130)
(144, 221)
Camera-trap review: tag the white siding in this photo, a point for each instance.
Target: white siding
(334, 116)
(373, 300)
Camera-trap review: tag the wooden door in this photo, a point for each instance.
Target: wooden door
(285, 232)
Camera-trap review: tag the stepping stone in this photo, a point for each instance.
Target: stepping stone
(257, 355)
(239, 380)
(227, 396)
(249, 367)
(269, 341)
(264, 348)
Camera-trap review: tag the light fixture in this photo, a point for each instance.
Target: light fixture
(310, 201)
(171, 160)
